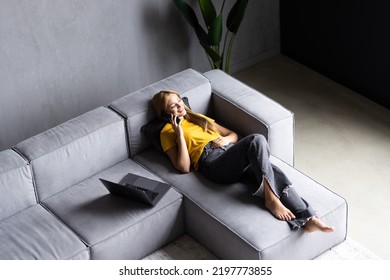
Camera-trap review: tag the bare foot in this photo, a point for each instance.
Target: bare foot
(280, 211)
(315, 224)
(274, 205)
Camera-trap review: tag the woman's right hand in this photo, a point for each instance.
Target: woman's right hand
(176, 124)
(179, 154)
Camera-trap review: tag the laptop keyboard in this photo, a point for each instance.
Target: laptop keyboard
(151, 194)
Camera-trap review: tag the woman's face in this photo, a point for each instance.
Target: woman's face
(175, 105)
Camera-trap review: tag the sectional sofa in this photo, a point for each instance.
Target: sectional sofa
(53, 206)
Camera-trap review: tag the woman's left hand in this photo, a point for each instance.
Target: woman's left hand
(219, 142)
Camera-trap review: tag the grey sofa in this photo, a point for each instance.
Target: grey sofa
(53, 206)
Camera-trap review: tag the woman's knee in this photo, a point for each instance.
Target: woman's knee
(258, 143)
(258, 139)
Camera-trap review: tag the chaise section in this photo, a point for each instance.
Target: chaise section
(233, 224)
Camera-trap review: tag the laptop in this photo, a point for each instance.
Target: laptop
(138, 188)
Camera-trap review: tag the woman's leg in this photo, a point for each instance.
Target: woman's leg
(253, 152)
(288, 204)
(228, 165)
(250, 152)
(274, 205)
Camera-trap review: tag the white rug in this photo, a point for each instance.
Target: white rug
(186, 248)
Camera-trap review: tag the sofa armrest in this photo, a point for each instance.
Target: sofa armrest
(246, 111)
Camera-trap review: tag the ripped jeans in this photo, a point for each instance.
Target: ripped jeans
(228, 164)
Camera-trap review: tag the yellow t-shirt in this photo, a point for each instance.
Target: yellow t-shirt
(196, 139)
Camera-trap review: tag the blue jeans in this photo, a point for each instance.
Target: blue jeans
(228, 164)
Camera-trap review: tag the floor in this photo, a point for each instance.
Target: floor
(342, 140)
(186, 248)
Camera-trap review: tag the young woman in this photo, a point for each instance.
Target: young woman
(191, 139)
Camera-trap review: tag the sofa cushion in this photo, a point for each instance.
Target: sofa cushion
(115, 227)
(233, 224)
(137, 109)
(36, 234)
(16, 185)
(75, 150)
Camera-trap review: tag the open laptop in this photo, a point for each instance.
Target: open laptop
(138, 188)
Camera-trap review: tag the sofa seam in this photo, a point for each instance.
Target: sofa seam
(65, 225)
(88, 252)
(127, 126)
(34, 183)
(125, 123)
(16, 213)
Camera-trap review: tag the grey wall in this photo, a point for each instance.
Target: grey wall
(61, 58)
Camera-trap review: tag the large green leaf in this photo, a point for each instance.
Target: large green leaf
(215, 57)
(236, 15)
(208, 11)
(187, 12)
(215, 32)
(203, 40)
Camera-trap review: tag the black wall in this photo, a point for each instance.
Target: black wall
(347, 41)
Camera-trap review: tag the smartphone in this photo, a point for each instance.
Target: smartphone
(167, 117)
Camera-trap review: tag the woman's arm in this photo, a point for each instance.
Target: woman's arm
(227, 136)
(179, 154)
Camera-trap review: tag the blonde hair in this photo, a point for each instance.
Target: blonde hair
(159, 103)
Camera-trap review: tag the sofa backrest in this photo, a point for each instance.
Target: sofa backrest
(246, 110)
(136, 107)
(75, 150)
(16, 185)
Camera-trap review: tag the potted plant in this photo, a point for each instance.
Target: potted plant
(211, 38)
